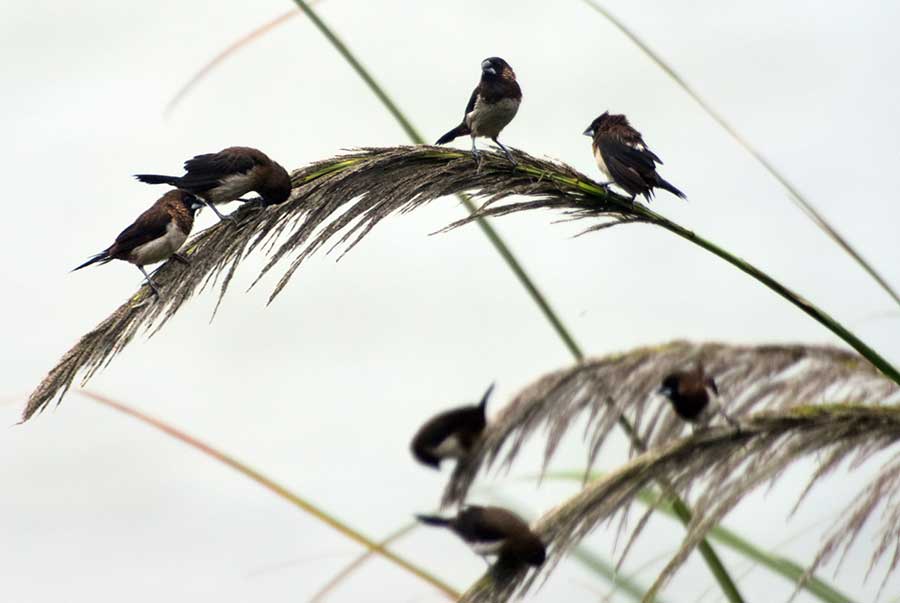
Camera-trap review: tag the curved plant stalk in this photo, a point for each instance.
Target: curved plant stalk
(279, 490)
(493, 236)
(778, 564)
(749, 378)
(227, 52)
(793, 193)
(338, 201)
(346, 197)
(722, 466)
(354, 565)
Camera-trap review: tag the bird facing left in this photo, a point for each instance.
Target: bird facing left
(155, 236)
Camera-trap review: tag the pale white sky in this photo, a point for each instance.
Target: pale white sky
(323, 389)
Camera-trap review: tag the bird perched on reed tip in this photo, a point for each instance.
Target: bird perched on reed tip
(493, 104)
(493, 531)
(156, 235)
(450, 434)
(694, 396)
(227, 175)
(622, 156)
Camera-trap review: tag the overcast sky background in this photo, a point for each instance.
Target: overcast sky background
(323, 389)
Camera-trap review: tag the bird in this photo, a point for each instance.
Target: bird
(690, 391)
(493, 104)
(156, 235)
(624, 158)
(451, 434)
(493, 531)
(225, 176)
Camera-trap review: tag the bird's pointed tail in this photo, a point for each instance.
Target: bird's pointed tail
(434, 520)
(156, 179)
(100, 258)
(671, 188)
(460, 130)
(484, 399)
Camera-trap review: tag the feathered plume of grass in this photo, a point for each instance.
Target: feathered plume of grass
(749, 378)
(339, 201)
(720, 466)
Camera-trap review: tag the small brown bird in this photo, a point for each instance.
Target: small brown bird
(451, 434)
(225, 176)
(493, 104)
(156, 235)
(493, 531)
(689, 391)
(623, 157)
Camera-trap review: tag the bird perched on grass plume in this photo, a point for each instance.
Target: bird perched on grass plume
(156, 235)
(623, 157)
(451, 434)
(493, 104)
(493, 531)
(224, 176)
(694, 396)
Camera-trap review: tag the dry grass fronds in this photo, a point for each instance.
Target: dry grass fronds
(339, 200)
(750, 378)
(347, 196)
(721, 466)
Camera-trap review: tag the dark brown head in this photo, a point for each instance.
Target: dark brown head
(688, 391)
(277, 186)
(527, 549)
(450, 434)
(496, 68)
(604, 123)
(190, 201)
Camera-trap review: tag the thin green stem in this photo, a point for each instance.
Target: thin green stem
(715, 565)
(277, 489)
(416, 137)
(793, 193)
(882, 364)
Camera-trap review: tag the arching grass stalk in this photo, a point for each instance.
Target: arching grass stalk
(279, 490)
(715, 564)
(809, 308)
(793, 193)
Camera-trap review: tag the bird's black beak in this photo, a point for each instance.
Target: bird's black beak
(589, 132)
(486, 67)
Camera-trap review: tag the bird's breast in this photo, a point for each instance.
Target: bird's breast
(232, 187)
(601, 163)
(488, 119)
(449, 447)
(160, 248)
(487, 547)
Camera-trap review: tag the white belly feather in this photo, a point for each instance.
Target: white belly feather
(450, 447)
(231, 188)
(160, 248)
(600, 163)
(488, 120)
(489, 547)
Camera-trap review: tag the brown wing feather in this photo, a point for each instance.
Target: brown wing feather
(148, 226)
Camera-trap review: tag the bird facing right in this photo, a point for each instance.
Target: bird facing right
(623, 157)
(225, 176)
(493, 531)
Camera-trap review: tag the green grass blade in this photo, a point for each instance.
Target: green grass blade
(793, 193)
(279, 490)
(416, 137)
(782, 566)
